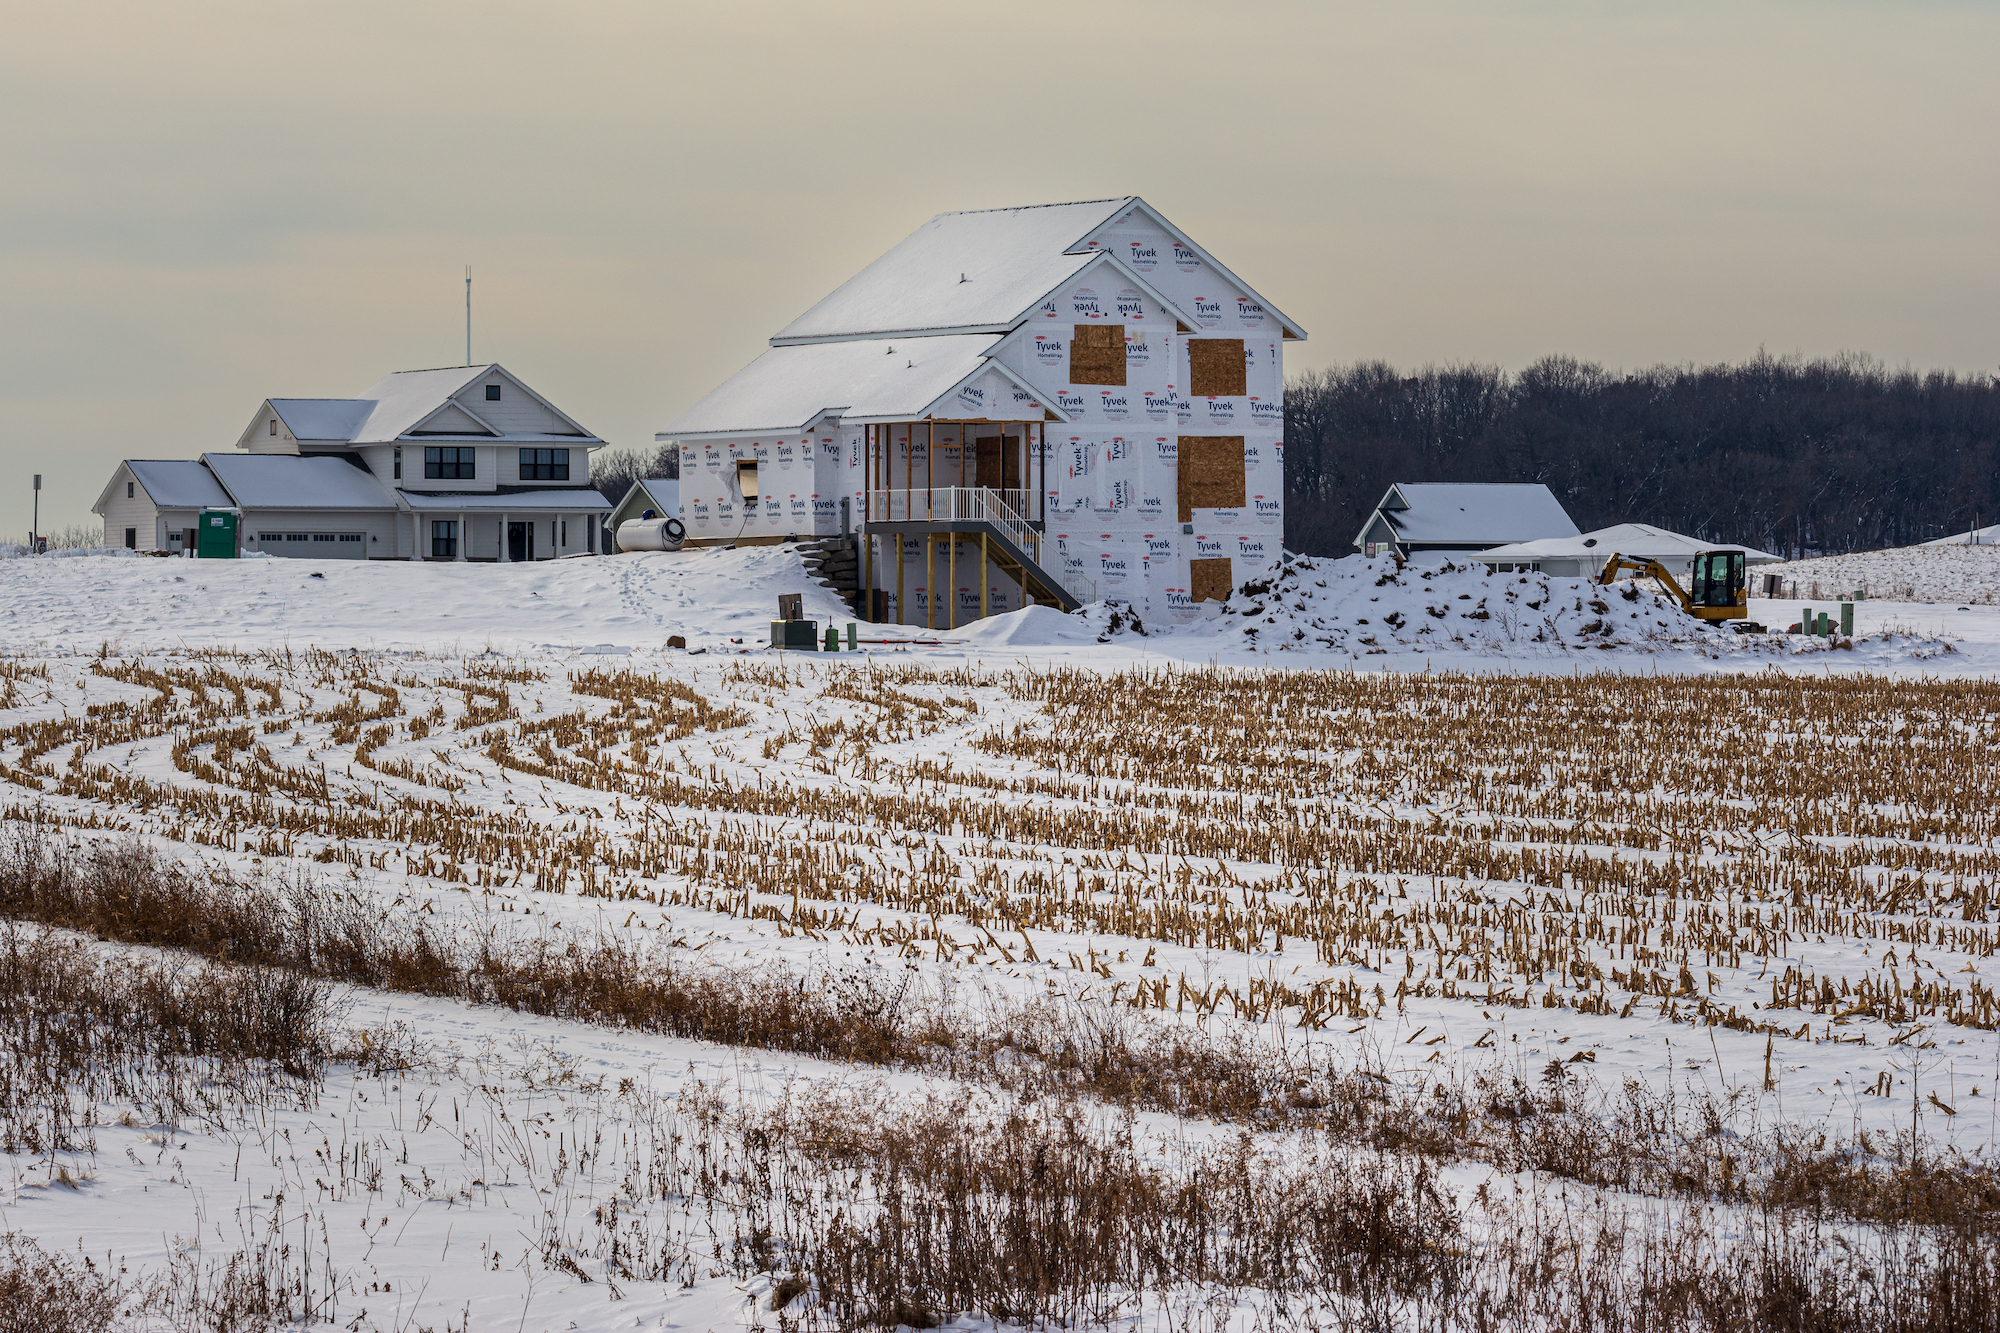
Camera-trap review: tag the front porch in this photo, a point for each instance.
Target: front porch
(969, 486)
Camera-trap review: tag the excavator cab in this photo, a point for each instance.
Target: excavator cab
(1718, 582)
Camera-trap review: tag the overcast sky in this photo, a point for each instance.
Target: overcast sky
(203, 205)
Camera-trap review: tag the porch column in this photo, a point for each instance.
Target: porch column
(951, 568)
(506, 557)
(464, 536)
(985, 580)
(898, 539)
(417, 536)
(930, 580)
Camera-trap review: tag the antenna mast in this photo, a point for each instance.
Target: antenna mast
(468, 314)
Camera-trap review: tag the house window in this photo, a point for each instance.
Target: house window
(1097, 354)
(399, 463)
(273, 423)
(1216, 368)
(444, 537)
(128, 490)
(545, 465)
(448, 463)
(492, 393)
(131, 539)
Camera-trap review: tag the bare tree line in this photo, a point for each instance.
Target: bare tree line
(1786, 454)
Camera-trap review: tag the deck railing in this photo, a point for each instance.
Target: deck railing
(959, 504)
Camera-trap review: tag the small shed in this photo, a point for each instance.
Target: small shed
(659, 496)
(1461, 516)
(1583, 556)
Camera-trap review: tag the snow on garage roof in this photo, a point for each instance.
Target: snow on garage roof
(1634, 539)
(1474, 513)
(288, 481)
(321, 418)
(959, 271)
(788, 388)
(178, 484)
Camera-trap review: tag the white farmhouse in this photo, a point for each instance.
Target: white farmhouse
(465, 463)
(1057, 404)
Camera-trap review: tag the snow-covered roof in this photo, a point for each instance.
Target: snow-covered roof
(1987, 536)
(178, 483)
(976, 270)
(664, 492)
(397, 402)
(1634, 539)
(788, 388)
(577, 500)
(290, 481)
(321, 418)
(1473, 514)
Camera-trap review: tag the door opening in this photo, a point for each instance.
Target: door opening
(520, 541)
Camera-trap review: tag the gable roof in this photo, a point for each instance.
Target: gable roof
(788, 388)
(292, 481)
(397, 402)
(1098, 236)
(320, 418)
(174, 484)
(1007, 258)
(1474, 513)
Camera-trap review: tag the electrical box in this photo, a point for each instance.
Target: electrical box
(215, 537)
(795, 634)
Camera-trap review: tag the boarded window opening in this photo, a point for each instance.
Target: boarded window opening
(1209, 580)
(1215, 368)
(1097, 354)
(999, 465)
(1211, 474)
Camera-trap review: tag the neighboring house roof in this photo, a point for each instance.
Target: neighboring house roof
(1009, 259)
(578, 500)
(289, 481)
(1472, 514)
(320, 418)
(1641, 540)
(177, 484)
(787, 389)
(405, 402)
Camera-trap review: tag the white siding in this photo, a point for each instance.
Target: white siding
(138, 513)
(375, 527)
(515, 414)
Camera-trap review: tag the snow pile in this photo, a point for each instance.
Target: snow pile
(1963, 575)
(1371, 607)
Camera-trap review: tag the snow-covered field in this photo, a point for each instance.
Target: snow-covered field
(1945, 575)
(1603, 915)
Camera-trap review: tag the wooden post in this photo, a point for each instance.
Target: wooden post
(930, 474)
(930, 580)
(985, 582)
(898, 539)
(951, 573)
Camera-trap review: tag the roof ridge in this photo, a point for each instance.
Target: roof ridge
(431, 370)
(1023, 208)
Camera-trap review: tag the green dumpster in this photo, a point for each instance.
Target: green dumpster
(215, 538)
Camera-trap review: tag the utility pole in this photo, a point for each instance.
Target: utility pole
(35, 524)
(468, 314)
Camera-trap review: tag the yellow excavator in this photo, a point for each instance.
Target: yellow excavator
(1720, 591)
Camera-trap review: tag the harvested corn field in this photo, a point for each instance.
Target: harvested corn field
(1707, 950)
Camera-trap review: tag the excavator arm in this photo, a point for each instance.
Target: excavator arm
(1719, 593)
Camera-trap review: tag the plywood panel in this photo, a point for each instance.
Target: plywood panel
(1216, 368)
(1211, 474)
(1209, 580)
(1097, 354)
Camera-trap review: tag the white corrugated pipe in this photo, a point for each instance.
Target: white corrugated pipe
(651, 534)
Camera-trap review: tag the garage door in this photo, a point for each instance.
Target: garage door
(319, 545)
